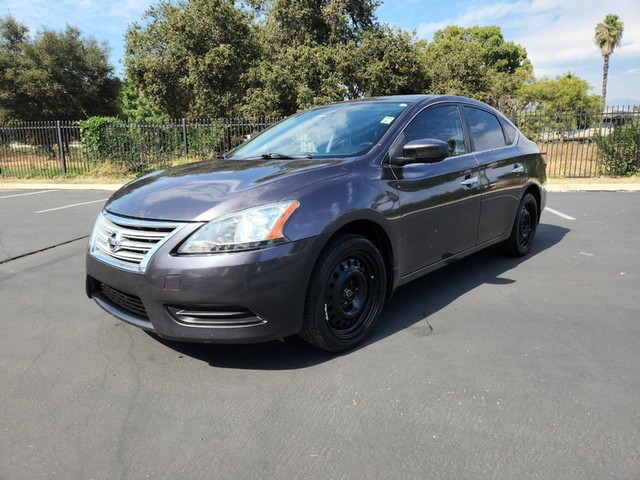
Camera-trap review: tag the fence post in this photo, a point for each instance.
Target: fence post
(185, 143)
(513, 115)
(63, 163)
(638, 152)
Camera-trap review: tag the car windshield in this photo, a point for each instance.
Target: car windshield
(339, 130)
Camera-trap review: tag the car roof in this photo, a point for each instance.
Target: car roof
(420, 98)
(419, 101)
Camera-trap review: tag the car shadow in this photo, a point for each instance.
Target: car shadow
(414, 303)
(408, 308)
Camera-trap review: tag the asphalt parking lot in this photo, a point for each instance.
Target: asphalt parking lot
(490, 368)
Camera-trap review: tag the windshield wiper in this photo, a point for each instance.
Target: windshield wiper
(283, 156)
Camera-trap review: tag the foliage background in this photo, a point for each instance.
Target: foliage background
(257, 59)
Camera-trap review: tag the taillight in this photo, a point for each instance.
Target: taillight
(544, 159)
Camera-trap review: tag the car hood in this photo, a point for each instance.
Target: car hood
(205, 190)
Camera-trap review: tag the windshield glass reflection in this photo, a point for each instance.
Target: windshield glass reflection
(333, 131)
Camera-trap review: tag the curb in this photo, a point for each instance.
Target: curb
(61, 186)
(593, 187)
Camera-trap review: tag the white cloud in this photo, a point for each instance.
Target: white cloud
(558, 35)
(475, 14)
(426, 30)
(55, 14)
(629, 49)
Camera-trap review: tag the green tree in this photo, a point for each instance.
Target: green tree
(455, 67)
(307, 22)
(12, 37)
(558, 105)
(608, 36)
(54, 75)
(388, 61)
(307, 49)
(319, 51)
(292, 78)
(565, 93)
(190, 57)
(136, 107)
(477, 62)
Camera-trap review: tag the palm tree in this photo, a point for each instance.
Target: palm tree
(608, 36)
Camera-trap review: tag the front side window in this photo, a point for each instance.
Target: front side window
(485, 129)
(339, 130)
(442, 123)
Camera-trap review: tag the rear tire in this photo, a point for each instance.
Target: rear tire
(346, 293)
(524, 228)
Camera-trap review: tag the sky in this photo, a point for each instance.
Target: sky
(558, 34)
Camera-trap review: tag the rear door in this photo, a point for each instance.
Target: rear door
(502, 173)
(440, 202)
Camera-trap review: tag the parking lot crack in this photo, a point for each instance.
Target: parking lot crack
(17, 257)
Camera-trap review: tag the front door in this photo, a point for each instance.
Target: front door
(440, 202)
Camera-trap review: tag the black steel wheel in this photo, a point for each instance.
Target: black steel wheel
(524, 228)
(346, 293)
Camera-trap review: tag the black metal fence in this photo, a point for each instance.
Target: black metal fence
(579, 144)
(71, 148)
(585, 144)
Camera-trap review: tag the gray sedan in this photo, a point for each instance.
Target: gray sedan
(308, 227)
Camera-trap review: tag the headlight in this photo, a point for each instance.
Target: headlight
(246, 230)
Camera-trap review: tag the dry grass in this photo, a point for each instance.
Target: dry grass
(571, 159)
(566, 160)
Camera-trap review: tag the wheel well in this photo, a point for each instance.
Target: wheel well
(374, 233)
(535, 191)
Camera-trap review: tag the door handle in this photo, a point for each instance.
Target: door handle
(468, 182)
(518, 168)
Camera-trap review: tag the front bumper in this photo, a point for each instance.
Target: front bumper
(240, 297)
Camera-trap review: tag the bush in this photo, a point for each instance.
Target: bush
(619, 150)
(94, 135)
(140, 148)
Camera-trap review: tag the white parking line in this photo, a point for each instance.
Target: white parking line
(69, 206)
(30, 193)
(560, 214)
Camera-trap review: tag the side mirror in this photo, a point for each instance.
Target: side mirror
(426, 150)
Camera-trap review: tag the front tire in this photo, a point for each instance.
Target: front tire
(524, 228)
(346, 293)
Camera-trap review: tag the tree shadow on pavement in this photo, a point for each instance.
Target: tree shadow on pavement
(407, 308)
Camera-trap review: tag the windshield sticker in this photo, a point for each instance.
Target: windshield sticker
(387, 120)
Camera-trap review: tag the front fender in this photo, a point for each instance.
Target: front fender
(337, 203)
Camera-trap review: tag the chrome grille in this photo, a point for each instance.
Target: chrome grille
(129, 243)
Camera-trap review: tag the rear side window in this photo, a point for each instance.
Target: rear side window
(509, 131)
(485, 129)
(442, 123)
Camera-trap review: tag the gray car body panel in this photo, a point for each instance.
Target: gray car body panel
(202, 191)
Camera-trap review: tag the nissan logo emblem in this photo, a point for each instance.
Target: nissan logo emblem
(114, 241)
